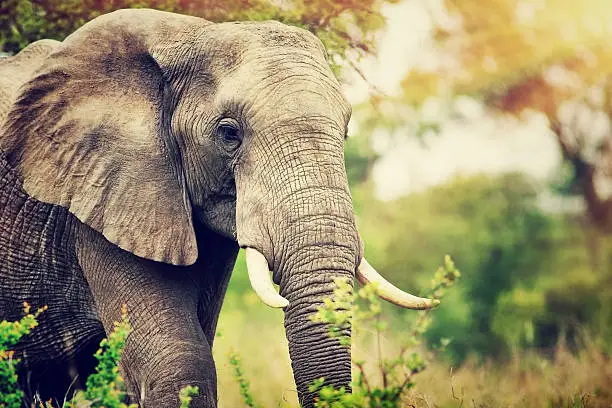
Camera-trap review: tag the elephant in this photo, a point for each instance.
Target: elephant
(137, 157)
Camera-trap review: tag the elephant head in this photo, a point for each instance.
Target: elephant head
(145, 123)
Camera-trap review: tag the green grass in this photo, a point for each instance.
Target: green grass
(562, 379)
(558, 379)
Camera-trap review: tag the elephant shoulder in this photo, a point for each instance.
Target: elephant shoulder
(28, 227)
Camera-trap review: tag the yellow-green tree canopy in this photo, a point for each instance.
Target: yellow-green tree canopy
(551, 56)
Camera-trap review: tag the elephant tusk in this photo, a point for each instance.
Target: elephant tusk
(261, 281)
(367, 274)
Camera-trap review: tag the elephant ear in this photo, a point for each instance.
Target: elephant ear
(89, 133)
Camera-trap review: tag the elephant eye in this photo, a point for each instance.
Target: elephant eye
(228, 131)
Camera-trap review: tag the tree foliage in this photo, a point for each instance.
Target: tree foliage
(550, 56)
(348, 28)
(530, 277)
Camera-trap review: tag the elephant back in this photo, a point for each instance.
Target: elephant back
(19, 69)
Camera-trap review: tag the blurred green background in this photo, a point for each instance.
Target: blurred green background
(481, 130)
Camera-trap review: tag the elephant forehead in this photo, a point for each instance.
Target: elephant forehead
(236, 44)
(288, 99)
(292, 83)
(275, 34)
(271, 34)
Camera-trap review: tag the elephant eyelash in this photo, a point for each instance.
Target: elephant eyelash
(230, 133)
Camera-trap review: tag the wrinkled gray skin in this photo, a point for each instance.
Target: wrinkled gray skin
(122, 181)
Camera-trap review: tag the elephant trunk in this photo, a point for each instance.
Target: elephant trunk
(298, 214)
(310, 276)
(318, 249)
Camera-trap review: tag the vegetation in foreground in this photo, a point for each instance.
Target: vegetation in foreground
(565, 377)
(392, 368)
(10, 333)
(104, 388)
(385, 367)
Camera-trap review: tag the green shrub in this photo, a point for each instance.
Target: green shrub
(397, 374)
(105, 388)
(186, 394)
(10, 333)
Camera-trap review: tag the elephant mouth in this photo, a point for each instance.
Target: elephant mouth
(219, 215)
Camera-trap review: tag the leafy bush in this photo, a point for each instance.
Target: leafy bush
(186, 394)
(364, 308)
(396, 374)
(104, 388)
(10, 333)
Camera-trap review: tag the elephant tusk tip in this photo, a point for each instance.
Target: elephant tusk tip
(273, 300)
(367, 274)
(279, 304)
(426, 304)
(414, 303)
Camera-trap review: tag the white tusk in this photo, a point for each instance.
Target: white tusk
(367, 274)
(261, 281)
